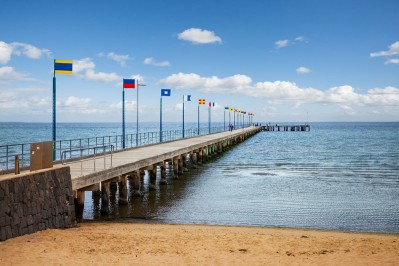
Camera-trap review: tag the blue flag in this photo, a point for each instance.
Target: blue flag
(165, 92)
(187, 98)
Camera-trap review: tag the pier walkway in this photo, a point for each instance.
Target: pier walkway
(91, 171)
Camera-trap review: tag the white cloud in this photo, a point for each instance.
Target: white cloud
(29, 50)
(303, 70)
(18, 48)
(121, 59)
(284, 43)
(151, 61)
(392, 61)
(83, 65)
(9, 73)
(211, 84)
(199, 36)
(102, 76)
(138, 77)
(278, 91)
(281, 43)
(5, 52)
(75, 104)
(73, 101)
(300, 39)
(85, 68)
(179, 107)
(129, 106)
(393, 50)
(37, 101)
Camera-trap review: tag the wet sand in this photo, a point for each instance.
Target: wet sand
(159, 244)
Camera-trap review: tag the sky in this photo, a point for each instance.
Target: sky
(283, 60)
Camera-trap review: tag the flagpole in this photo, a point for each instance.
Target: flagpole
(183, 116)
(160, 124)
(54, 112)
(209, 119)
(224, 120)
(198, 119)
(123, 117)
(234, 118)
(137, 114)
(229, 118)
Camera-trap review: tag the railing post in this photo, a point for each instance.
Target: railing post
(16, 165)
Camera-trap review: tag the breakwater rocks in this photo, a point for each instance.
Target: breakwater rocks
(36, 201)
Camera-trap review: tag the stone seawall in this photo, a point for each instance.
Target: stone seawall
(36, 201)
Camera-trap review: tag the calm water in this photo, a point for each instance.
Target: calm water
(337, 176)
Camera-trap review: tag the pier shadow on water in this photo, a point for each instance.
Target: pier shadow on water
(151, 204)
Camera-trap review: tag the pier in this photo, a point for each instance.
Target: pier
(285, 128)
(54, 197)
(119, 168)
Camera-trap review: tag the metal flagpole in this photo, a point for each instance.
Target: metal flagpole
(198, 119)
(234, 118)
(137, 114)
(123, 117)
(209, 118)
(183, 116)
(229, 118)
(54, 113)
(160, 124)
(224, 120)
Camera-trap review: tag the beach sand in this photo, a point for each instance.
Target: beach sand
(159, 244)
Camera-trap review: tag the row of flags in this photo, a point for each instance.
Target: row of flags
(65, 67)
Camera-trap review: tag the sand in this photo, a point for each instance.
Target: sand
(159, 244)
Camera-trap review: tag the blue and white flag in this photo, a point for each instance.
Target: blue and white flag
(165, 92)
(187, 98)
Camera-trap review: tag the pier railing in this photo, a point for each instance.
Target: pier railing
(91, 159)
(8, 152)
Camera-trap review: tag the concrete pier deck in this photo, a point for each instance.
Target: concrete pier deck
(130, 160)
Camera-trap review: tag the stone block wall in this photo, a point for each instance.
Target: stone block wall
(36, 201)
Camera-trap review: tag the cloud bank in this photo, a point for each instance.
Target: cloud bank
(343, 96)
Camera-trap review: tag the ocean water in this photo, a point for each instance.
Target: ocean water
(339, 176)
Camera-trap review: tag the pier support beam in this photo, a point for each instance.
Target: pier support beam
(163, 180)
(180, 165)
(136, 177)
(122, 186)
(152, 173)
(184, 158)
(176, 168)
(105, 195)
(79, 199)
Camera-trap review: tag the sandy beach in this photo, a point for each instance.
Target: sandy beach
(159, 244)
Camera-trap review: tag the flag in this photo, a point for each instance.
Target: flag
(129, 83)
(165, 92)
(211, 104)
(187, 98)
(62, 66)
(231, 109)
(227, 108)
(239, 110)
(201, 101)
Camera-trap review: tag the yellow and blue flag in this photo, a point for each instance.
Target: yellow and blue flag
(62, 66)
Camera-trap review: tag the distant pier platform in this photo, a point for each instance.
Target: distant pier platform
(285, 128)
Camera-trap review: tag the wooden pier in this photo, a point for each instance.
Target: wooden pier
(285, 128)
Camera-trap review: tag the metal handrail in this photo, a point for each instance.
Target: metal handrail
(7, 152)
(90, 156)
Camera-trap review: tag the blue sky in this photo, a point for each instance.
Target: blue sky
(335, 60)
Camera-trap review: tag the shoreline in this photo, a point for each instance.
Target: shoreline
(121, 243)
(160, 222)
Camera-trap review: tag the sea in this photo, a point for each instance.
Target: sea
(337, 176)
